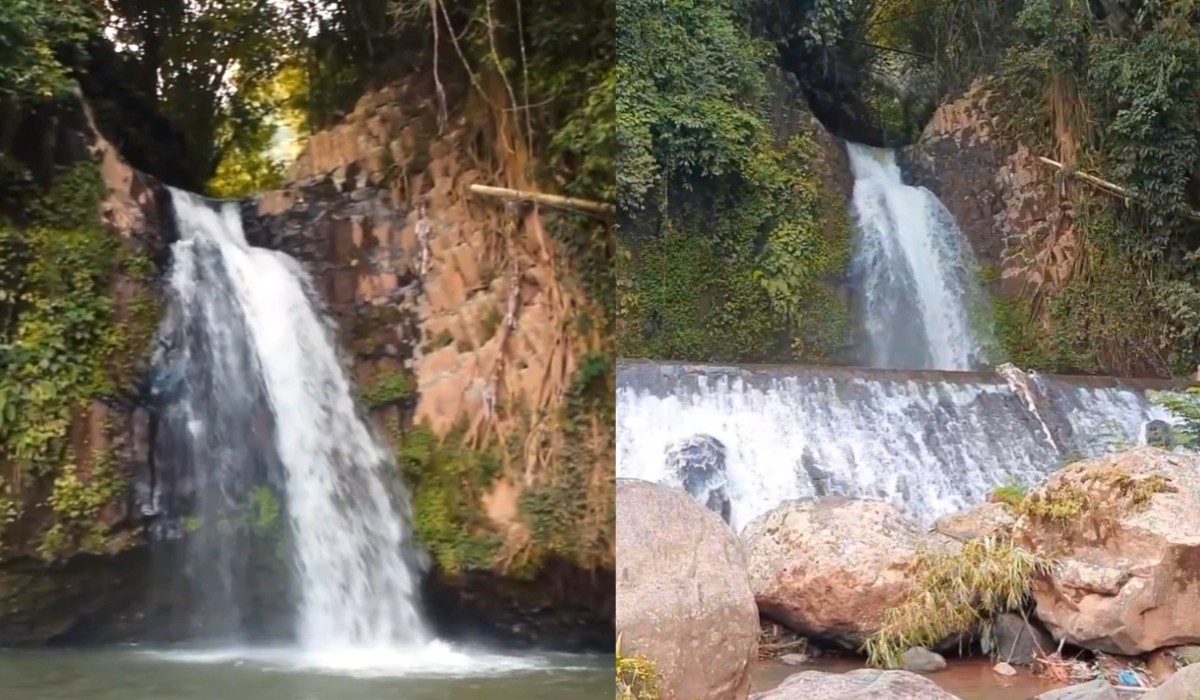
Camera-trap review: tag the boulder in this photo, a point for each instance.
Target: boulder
(921, 660)
(1124, 531)
(1098, 689)
(830, 567)
(683, 596)
(697, 463)
(863, 684)
(1184, 685)
(1187, 654)
(977, 521)
(1018, 642)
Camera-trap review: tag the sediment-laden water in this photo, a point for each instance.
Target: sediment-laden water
(438, 673)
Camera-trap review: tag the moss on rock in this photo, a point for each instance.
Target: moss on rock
(747, 272)
(67, 340)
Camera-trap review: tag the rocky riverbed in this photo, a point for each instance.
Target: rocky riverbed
(1092, 577)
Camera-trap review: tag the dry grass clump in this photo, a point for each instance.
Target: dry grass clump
(955, 591)
(637, 679)
(1097, 495)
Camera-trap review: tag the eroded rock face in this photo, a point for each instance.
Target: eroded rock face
(863, 684)
(1127, 579)
(830, 567)
(456, 317)
(683, 596)
(1003, 199)
(977, 521)
(698, 464)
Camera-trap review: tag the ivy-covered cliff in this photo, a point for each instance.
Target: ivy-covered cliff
(734, 238)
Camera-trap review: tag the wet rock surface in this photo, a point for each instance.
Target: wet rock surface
(863, 684)
(698, 464)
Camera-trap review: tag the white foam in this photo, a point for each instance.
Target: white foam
(931, 447)
(436, 659)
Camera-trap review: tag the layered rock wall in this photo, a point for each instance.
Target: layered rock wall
(476, 346)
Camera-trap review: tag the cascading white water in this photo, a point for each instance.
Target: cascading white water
(915, 278)
(931, 443)
(356, 587)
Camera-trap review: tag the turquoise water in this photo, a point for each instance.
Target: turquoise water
(443, 673)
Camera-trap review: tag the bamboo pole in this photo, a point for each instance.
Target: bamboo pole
(1109, 187)
(552, 200)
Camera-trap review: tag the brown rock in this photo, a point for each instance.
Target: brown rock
(830, 567)
(1162, 665)
(978, 521)
(1098, 689)
(863, 684)
(1127, 579)
(683, 597)
(1019, 642)
(1184, 685)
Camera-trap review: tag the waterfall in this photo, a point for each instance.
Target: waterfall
(915, 278)
(931, 443)
(257, 398)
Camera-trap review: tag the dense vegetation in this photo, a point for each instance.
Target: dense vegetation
(1109, 88)
(730, 245)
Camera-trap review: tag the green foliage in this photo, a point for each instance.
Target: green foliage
(692, 79)
(734, 243)
(1186, 406)
(247, 168)
(1011, 492)
(30, 33)
(211, 68)
(1099, 495)
(58, 334)
(714, 296)
(262, 515)
(387, 388)
(1127, 95)
(77, 503)
(10, 510)
(565, 516)
(63, 345)
(447, 479)
(1078, 331)
(637, 677)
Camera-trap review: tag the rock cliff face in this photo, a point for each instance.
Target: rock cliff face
(479, 352)
(1006, 202)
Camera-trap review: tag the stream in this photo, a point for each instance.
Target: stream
(969, 679)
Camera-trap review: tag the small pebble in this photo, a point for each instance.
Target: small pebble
(794, 659)
(1004, 669)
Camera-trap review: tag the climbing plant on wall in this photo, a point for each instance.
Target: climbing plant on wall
(1116, 93)
(731, 242)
